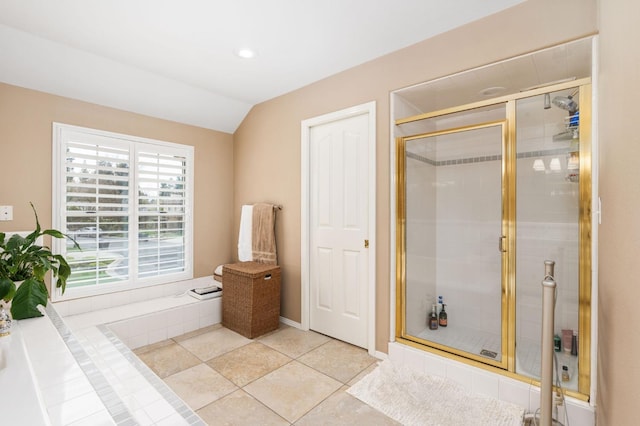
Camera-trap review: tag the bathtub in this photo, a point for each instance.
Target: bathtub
(64, 367)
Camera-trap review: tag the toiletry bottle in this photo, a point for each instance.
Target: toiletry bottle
(442, 318)
(557, 346)
(574, 343)
(433, 319)
(566, 340)
(565, 373)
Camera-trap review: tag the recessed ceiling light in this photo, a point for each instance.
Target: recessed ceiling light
(246, 53)
(492, 91)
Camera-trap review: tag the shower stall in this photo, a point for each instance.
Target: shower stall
(486, 192)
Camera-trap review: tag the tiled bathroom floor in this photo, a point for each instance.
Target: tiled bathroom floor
(286, 377)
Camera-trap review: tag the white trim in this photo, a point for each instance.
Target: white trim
(381, 355)
(366, 108)
(291, 323)
(392, 219)
(134, 144)
(595, 218)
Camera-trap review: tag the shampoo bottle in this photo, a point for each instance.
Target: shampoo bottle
(442, 318)
(565, 373)
(433, 318)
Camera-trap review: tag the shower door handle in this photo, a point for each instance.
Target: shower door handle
(501, 244)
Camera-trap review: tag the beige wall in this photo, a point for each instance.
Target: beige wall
(25, 163)
(619, 248)
(266, 155)
(267, 144)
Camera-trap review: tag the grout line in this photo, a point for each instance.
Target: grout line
(483, 158)
(112, 402)
(158, 384)
(291, 359)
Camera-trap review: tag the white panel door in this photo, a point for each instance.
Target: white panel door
(338, 222)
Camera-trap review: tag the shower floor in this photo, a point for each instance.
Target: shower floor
(469, 340)
(528, 356)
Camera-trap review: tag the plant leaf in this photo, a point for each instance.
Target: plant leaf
(57, 234)
(35, 213)
(7, 289)
(29, 295)
(64, 270)
(15, 241)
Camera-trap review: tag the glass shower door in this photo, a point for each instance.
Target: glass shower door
(453, 231)
(548, 217)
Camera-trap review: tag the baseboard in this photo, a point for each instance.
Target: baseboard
(381, 355)
(287, 321)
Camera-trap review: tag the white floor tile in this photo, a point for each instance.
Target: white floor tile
(159, 410)
(75, 409)
(173, 420)
(101, 418)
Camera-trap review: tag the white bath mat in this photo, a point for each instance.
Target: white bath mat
(418, 399)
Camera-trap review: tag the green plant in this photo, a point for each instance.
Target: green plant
(21, 259)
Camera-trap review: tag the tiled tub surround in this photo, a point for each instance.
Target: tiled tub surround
(20, 390)
(486, 383)
(83, 374)
(143, 323)
(123, 299)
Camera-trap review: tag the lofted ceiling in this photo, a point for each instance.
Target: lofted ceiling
(175, 59)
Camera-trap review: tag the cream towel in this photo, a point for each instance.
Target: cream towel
(263, 235)
(245, 234)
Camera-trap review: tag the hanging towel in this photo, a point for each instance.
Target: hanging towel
(245, 234)
(264, 236)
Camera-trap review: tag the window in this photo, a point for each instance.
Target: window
(127, 201)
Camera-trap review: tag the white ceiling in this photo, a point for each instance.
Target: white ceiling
(174, 59)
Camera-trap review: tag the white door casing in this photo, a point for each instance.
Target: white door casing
(338, 216)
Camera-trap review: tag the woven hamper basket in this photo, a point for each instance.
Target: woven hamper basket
(251, 298)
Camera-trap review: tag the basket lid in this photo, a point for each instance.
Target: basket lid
(251, 269)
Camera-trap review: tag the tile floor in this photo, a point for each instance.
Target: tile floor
(286, 377)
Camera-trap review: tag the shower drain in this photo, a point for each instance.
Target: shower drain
(488, 353)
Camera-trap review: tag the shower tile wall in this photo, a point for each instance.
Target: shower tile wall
(469, 264)
(420, 243)
(547, 219)
(453, 216)
(547, 230)
(459, 254)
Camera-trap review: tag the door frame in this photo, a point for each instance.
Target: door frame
(369, 109)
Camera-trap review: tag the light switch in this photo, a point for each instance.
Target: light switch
(6, 213)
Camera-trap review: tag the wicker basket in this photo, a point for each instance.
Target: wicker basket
(251, 298)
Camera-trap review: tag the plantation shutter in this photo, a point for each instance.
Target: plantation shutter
(127, 202)
(97, 199)
(161, 212)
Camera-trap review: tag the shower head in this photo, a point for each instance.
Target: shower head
(567, 103)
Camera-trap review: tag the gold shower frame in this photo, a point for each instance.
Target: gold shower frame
(506, 366)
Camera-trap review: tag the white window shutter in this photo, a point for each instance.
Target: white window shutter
(127, 202)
